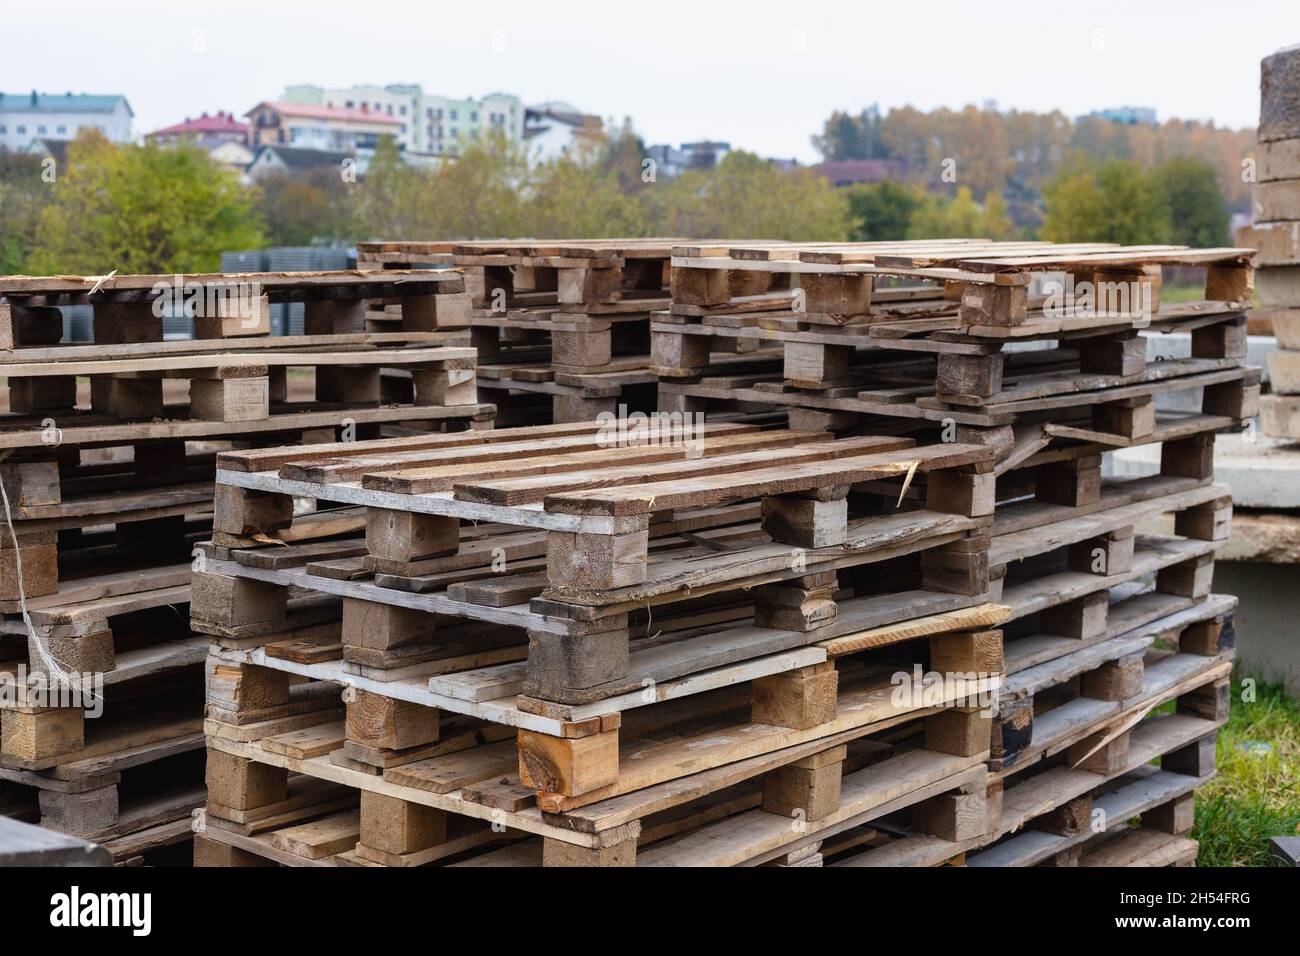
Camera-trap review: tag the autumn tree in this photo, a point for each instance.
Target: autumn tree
(960, 217)
(746, 197)
(574, 196)
(142, 209)
(306, 207)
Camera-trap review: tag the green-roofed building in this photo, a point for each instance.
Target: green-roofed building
(27, 117)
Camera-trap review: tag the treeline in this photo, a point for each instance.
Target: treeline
(149, 209)
(1017, 154)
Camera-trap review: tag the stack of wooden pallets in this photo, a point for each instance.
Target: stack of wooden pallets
(667, 646)
(561, 327)
(1037, 352)
(1276, 233)
(108, 455)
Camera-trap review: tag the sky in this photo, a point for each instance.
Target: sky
(761, 75)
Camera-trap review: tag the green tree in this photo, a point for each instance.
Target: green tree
(960, 217)
(881, 211)
(844, 136)
(1189, 190)
(1117, 201)
(574, 196)
(142, 209)
(24, 193)
(749, 198)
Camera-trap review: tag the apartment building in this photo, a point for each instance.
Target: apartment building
(427, 123)
(311, 126)
(25, 117)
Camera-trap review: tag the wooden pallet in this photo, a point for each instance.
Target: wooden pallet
(684, 768)
(230, 309)
(601, 554)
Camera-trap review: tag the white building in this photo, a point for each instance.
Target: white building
(51, 116)
(429, 124)
(556, 129)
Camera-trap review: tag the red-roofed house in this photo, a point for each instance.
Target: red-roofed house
(223, 137)
(217, 127)
(309, 126)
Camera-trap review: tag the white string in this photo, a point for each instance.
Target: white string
(53, 665)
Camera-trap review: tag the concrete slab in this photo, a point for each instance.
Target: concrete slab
(1263, 472)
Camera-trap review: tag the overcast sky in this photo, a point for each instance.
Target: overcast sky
(762, 75)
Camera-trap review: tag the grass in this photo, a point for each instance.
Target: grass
(1257, 792)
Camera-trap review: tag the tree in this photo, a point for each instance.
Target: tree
(748, 198)
(142, 209)
(851, 137)
(960, 217)
(881, 211)
(573, 196)
(1189, 190)
(1117, 201)
(24, 193)
(301, 209)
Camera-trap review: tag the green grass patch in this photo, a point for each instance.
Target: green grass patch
(1257, 792)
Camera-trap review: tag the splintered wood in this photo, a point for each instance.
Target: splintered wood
(109, 449)
(858, 595)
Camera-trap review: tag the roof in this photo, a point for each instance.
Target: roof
(64, 102)
(218, 123)
(860, 170)
(296, 158)
(562, 112)
(312, 111)
(45, 146)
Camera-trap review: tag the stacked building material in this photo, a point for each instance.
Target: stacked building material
(1037, 352)
(1276, 233)
(561, 327)
(667, 646)
(109, 451)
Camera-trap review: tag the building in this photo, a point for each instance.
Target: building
(25, 117)
(850, 172)
(556, 129)
(672, 161)
(206, 130)
(311, 126)
(274, 158)
(1128, 115)
(223, 137)
(428, 123)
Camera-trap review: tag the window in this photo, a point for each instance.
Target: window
(22, 130)
(403, 129)
(40, 131)
(63, 130)
(3, 130)
(401, 110)
(350, 104)
(473, 117)
(454, 114)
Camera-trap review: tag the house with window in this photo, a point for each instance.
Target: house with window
(555, 129)
(311, 126)
(26, 117)
(428, 124)
(220, 135)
